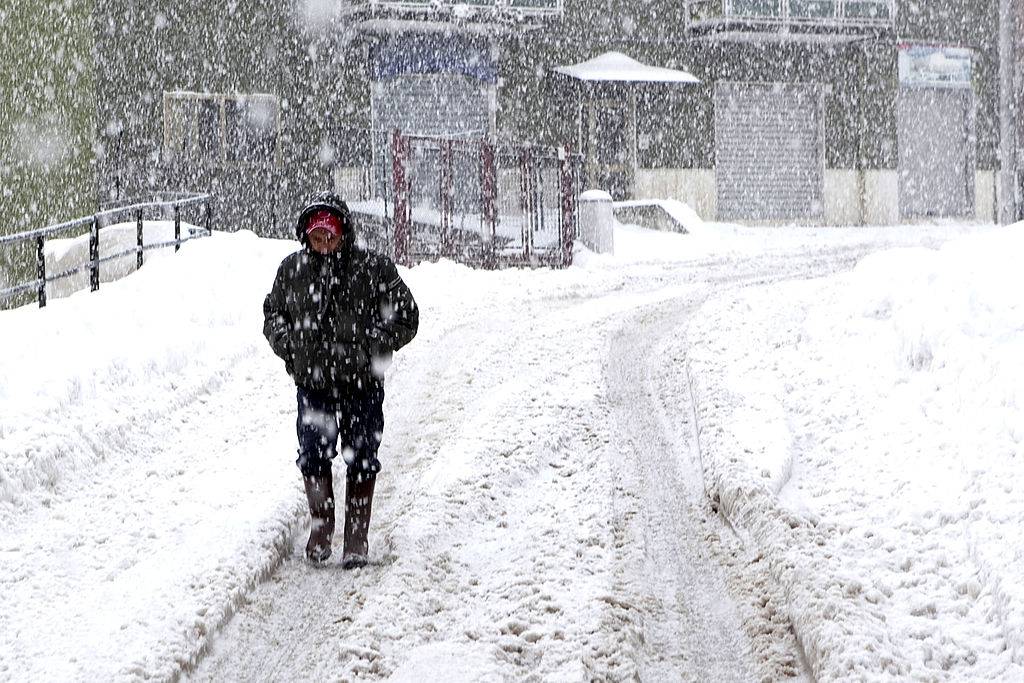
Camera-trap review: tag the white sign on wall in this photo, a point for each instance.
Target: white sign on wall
(935, 65)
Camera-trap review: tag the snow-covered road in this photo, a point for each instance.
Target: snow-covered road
(546, 519)
(543, 512)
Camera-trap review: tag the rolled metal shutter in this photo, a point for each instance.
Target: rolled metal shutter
(936, 164)
(432, 104)
(442, 105)
(769, 152)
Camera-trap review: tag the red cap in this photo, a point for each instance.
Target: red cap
(324, 220)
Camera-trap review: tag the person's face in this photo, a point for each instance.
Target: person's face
(324, 241)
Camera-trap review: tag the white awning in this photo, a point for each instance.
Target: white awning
(617, 67)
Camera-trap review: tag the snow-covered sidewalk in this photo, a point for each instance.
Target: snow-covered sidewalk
(863, 432)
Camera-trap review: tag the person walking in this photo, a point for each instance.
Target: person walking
(335, 314)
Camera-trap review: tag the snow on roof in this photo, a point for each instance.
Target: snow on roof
(616, 66)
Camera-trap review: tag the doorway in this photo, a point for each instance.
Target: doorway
(611, 147)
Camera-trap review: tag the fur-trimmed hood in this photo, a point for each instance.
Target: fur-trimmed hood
(330, 202)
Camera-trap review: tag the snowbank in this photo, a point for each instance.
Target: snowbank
(878, 461)
(68, 253)
(76, 368)
(110, 566)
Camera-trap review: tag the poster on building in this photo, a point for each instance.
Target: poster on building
(935, 65)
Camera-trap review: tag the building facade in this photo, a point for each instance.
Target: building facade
(1014, 125)
(838, 112)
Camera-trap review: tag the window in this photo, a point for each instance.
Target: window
(850, 12)
(812, 9)
(209, 128)
(868, 9)
(528, 7)
(756, 8)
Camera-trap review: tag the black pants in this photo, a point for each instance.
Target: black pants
(351, 424)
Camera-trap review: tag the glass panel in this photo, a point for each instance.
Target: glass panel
(524, 4)
(867, 9)
(702, 10)
(611, 130)
(208, 144)
(854, 10)
(251, 129)
(179, 123)
(812, 9)
(756, 8)
(534, 4)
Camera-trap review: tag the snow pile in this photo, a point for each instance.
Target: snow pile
(65, 373)
(66, 254)
(706, 238)
(683, 214)
(131, 527)
(881, 464)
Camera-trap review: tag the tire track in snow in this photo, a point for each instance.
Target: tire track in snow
(301, 621)
(712, 611)
(692, 629)
(494, 525)
(430, 526)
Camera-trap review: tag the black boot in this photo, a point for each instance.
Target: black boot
(320, 496)
(358, 504)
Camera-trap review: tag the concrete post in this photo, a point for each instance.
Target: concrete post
(597, 221)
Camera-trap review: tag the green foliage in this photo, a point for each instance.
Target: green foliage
(47, 121)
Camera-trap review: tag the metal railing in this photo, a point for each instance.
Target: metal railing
(95, 223)
(482, 204)
(853, 13)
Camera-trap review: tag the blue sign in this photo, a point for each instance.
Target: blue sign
(432, 54)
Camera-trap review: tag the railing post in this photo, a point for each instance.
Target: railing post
(209, 216)
(524, 200)
(402, 219)
(489, 196)
(538, 196)
(41, 270)
(94, 255)
(568, 192)
(177, 227)
(138, 236)
(445, 185)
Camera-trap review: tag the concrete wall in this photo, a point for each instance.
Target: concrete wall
(843, 198)
(851, 197)
(695, 187)
(985, 196)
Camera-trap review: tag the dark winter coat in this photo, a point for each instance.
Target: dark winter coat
(333, 319)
